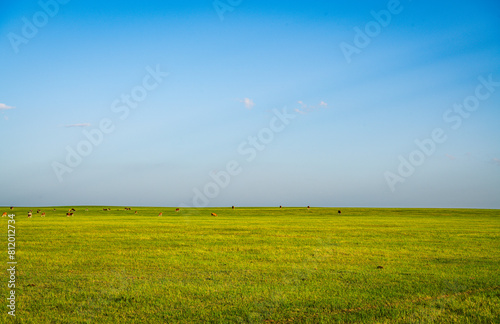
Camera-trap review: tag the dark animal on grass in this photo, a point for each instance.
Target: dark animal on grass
(69, 214)
(177, 209)
(339, 212)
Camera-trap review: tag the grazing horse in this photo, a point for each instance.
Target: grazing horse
(213, 214)
(177, 209)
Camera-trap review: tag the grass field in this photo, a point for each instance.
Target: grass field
(255, 265)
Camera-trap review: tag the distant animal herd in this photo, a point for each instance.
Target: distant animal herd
(72, 211)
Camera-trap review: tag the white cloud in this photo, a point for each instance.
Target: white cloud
(5, 107)
(79, 125)
(305, 108)
(248, 103)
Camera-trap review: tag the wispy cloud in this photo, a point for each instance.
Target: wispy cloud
(79, 125)
(305, 108)
(5, 107)
(248, 103)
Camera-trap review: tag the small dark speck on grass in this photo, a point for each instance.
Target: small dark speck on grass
(380, 267)
(31, 285)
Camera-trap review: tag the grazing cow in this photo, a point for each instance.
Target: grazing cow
(160, 214)
(308, 207)
(177, 209)
(232, 207)
(38, 211)
(339, 212)
(29, 214)
(69, 214)
(280, 206)
(11, 208)
(213, 214)
(127, 208)
(54, 209)
(43, 214)
(105, 209)
(73, 210)
(135, 212)
(4, 214)
(86, 209)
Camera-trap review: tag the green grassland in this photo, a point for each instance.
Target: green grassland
(255, 265)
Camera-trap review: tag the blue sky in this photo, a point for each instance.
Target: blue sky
(250, 103)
